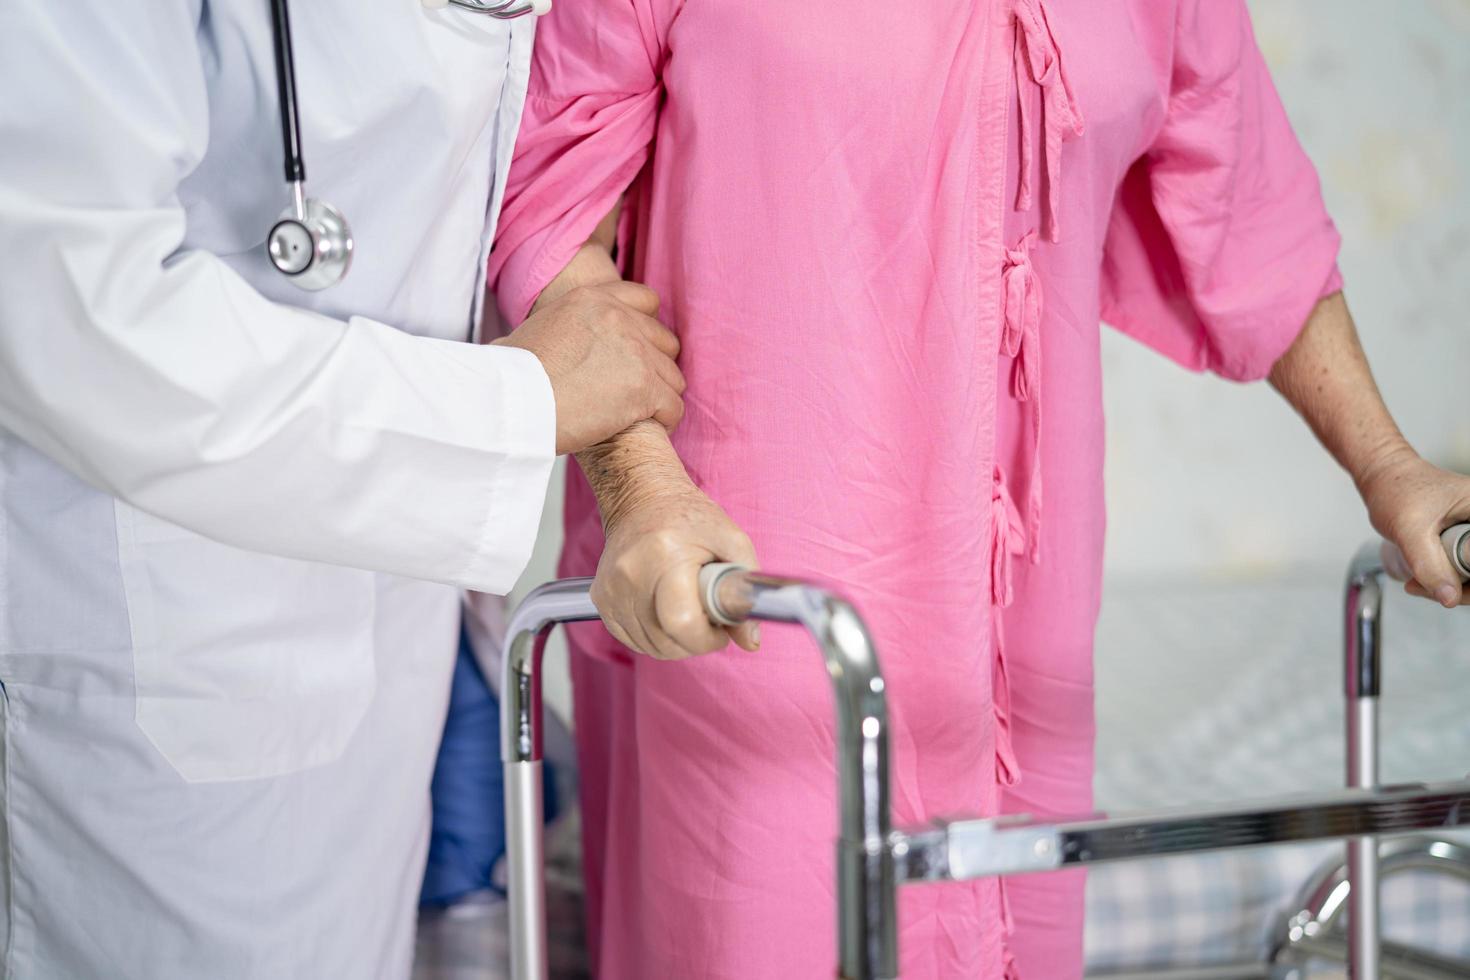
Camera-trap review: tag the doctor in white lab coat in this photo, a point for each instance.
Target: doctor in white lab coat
(235, 517)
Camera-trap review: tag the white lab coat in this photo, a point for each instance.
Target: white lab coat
(223, 501)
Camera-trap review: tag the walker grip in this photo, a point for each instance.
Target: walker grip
(726, 592)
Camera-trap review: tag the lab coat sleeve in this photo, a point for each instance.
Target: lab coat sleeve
(163, 378)
(591, 111)
(1219, 245)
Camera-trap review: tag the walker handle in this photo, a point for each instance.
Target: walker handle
(727, 593)
(1456, 547)
(866, 882)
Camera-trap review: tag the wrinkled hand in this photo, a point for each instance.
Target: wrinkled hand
(611, 363)
(1410, 501)
(647, 585)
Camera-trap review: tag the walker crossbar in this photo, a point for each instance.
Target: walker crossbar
(873, 859)
(1008, 846)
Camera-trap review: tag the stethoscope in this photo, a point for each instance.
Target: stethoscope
(311, 244)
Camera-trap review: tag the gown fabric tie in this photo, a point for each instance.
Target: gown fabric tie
(1039, 61)
(1021, 339)
(1009, 541)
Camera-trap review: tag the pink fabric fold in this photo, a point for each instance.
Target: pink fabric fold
(1008, 956)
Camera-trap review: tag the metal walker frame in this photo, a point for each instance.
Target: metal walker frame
(874, 859)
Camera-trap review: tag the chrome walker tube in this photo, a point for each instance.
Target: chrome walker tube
(867, 936)
(520, 753)
(1363, 635)
(873, 859)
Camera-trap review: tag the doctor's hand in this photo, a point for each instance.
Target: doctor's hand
(659, 533)
(611, 363)
(1410, 501)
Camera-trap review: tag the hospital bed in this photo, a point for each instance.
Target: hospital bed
(874, 859)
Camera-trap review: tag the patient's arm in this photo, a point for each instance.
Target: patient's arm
(1326, 377)
(660, 528)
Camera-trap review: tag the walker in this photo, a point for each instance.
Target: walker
(874, 859)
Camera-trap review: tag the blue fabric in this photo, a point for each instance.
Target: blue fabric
(468, 835)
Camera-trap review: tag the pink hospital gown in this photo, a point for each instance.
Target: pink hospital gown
(886, 236)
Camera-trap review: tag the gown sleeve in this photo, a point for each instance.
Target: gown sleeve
(591, 111)
(1219, 245)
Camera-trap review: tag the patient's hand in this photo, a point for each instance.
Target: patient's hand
(661, 529)
(1409, 502)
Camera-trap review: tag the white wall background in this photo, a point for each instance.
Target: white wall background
(1209, 479)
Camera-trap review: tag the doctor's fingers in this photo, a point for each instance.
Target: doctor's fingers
(661, 360)
(665, 406)
(664, 340)
(654, 346)
(631, 294)
(641, 305)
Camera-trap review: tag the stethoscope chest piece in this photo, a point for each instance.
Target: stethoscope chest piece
(312, 245)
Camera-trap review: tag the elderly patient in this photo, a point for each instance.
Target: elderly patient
(886, 237)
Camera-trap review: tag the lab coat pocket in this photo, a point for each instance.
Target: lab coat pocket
(245, 665)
